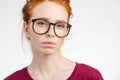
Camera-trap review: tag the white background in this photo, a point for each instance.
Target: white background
(94, 38)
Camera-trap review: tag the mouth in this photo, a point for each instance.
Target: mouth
(48, 44)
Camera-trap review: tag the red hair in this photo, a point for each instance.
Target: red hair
(28, 7)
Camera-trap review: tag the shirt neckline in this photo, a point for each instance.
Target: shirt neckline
(73, 72)
(71, 75)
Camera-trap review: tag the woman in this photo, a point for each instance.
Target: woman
(46, 24)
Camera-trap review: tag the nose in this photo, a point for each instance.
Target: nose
(50, 32)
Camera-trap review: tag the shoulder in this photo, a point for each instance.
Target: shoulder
(89, 72)
(85, 67)
(18, 75)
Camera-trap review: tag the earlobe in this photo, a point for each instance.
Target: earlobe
(26, 30)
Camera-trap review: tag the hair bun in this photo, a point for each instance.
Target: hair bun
(66, 1)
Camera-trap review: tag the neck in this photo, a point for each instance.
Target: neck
(47, 64)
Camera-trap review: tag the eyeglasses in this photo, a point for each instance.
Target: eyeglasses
(41, 26)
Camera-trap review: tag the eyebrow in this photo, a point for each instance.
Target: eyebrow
(49, 19)
(61, 21)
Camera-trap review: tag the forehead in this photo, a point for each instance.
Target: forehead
(50, 10)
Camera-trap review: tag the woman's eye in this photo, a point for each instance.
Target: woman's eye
(61, 26)
(40, 23)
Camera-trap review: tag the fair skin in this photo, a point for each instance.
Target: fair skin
(48, 62)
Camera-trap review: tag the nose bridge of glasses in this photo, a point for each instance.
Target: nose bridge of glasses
(51, 27)
(50, 23)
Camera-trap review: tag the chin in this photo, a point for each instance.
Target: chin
(49, 51)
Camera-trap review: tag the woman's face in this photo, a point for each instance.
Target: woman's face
(47, 43)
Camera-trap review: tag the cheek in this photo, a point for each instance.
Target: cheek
(34, 39)
(60, 42)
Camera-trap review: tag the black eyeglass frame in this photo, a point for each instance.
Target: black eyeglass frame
(49, 23)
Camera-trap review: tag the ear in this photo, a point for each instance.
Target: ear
(26, 30)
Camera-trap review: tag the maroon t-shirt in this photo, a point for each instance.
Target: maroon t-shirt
(81, 72)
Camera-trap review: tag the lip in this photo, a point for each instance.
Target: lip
(48, 44)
